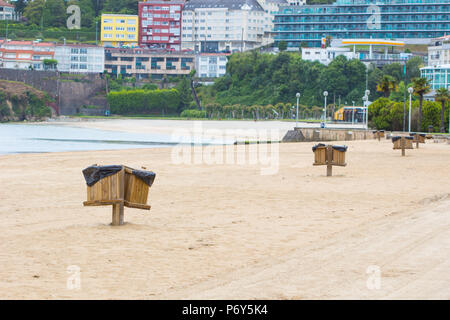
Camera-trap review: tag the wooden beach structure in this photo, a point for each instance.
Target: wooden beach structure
(119, 186)
(378, 134)
(418, 138)
(402, 143)
(330, 156)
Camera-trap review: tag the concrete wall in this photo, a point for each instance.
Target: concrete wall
(71, 92)
(319, 134)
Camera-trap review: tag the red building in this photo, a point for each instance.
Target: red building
(160, 24)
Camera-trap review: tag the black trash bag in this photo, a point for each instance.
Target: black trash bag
(93, 174)
(340, 148)
(422, 135)
(412, 134)
(381, 130)
(396, 138)
(147, 176)
(409, 138)
(317, 146)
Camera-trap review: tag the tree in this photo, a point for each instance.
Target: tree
(87, 8)
(20, 6)
(33, 11)
(194, 93)
(387, 85)
(394, 70)
(413, 68)
(50, 64)
(184, 89)
(442, 96)
(282, 45)
(421, 87)
(121, 6)
(54, 13)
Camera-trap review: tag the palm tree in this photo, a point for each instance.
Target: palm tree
(442, 95)
(421, 87)
(387, 85)
(194, 93)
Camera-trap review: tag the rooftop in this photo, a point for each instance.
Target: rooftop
(223, 4)
(5, 4)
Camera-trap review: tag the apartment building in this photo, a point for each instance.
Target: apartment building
(211, 65)
(119, 30)
(7, 11)
(439, 51)
(326, 55)
(25, 54)
(411, 21)
(160, 24)
(80, 58)
(145, 63)
(223, 25)
(438, 69)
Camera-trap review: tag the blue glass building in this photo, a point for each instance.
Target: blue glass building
(412, 21)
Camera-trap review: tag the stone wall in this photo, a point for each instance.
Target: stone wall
(319, 134)
(70, 91)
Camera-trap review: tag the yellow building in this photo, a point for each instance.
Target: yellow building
(119, 30)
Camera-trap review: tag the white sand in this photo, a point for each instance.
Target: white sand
(225, 231)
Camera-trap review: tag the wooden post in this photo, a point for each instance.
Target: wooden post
(417, 144)
(403, 145)
(118, 208)
(379, 135)
(117, 214)
(329, 158)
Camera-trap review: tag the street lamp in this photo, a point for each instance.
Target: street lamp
(367, 108)
(353, 113)
(296, 121)
(365, 99)
(325, 94)
(410, 90)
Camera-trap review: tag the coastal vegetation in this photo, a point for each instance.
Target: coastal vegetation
(261, 79)
(20, 102)
(386, 114)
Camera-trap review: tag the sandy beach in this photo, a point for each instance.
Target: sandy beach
(228, 232)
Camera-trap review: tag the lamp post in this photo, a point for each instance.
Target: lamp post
(367, 108)
(296, 119)
(364, 109)
(353, 113)
(410, 90)
(325, 94)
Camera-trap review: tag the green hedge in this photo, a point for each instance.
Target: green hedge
(193, 113)
(164, 101)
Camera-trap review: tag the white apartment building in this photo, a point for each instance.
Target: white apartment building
(270, 7)
(326, 55)
(439, 52)
(80, 58)
(25, 54)
(7, 11)
(223, 25)
(211, 65)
